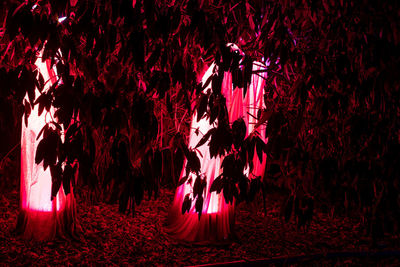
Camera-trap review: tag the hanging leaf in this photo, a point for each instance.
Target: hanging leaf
(56, 179)
(193, 162)
(27, 112)
(67, 177)
(199, 205)
(72, 129)
(247, 72)
(42, 100)
(217, 83)
(40, 151)
(201, 106)
(228, 191)
(238, 132)
(221, 141)
(205, 137)
(198, 187)
(260, 148)
(207, 82)
(217, 184)
(186, 204)
(243, 185)
(27, 82)
(183, 180)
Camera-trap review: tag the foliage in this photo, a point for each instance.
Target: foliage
(332, 94)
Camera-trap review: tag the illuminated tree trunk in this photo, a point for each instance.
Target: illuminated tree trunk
(217, 220)
(40, 217)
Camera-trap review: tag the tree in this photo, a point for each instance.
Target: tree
(332, 90)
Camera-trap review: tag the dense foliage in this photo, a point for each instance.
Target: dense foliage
(129, 71)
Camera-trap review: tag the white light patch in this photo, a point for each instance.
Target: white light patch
(266, 61)
(62, 19)
(34, 6)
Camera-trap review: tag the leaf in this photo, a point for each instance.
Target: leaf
(249, 144)
(205, 137)
(67, 177)
(265, 115)
(207, 82)
(228, 165)
(183, 180)
(217, 84)
(238, 132)
(202, 106)
(56, 174)
(71, 130)
(228, 194)
(52, 143)
(260, 147)
(221, 140)
(44, 101)
(198, 187)
(40, 151)
(214, 111)
(27, 81)
(217, 184)
(187, 203)
(41, 82)
(237, 78)
(193, 163)
(27, 112)
(57, 125)
(199, 205)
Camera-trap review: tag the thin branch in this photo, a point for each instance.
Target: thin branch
(8, 153)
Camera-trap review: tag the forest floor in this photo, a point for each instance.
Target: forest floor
(110, 238)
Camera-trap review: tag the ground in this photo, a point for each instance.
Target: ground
(110, 238)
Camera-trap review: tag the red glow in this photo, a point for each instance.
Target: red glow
(216, 221)
(40, 216)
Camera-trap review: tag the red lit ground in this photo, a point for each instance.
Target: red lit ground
(111, 238)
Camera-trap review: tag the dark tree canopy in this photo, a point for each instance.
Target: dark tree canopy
(130, 71)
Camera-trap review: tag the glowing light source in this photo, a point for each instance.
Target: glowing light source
(61, 19)
(40, 217)
(216, 221)
(35, 179)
